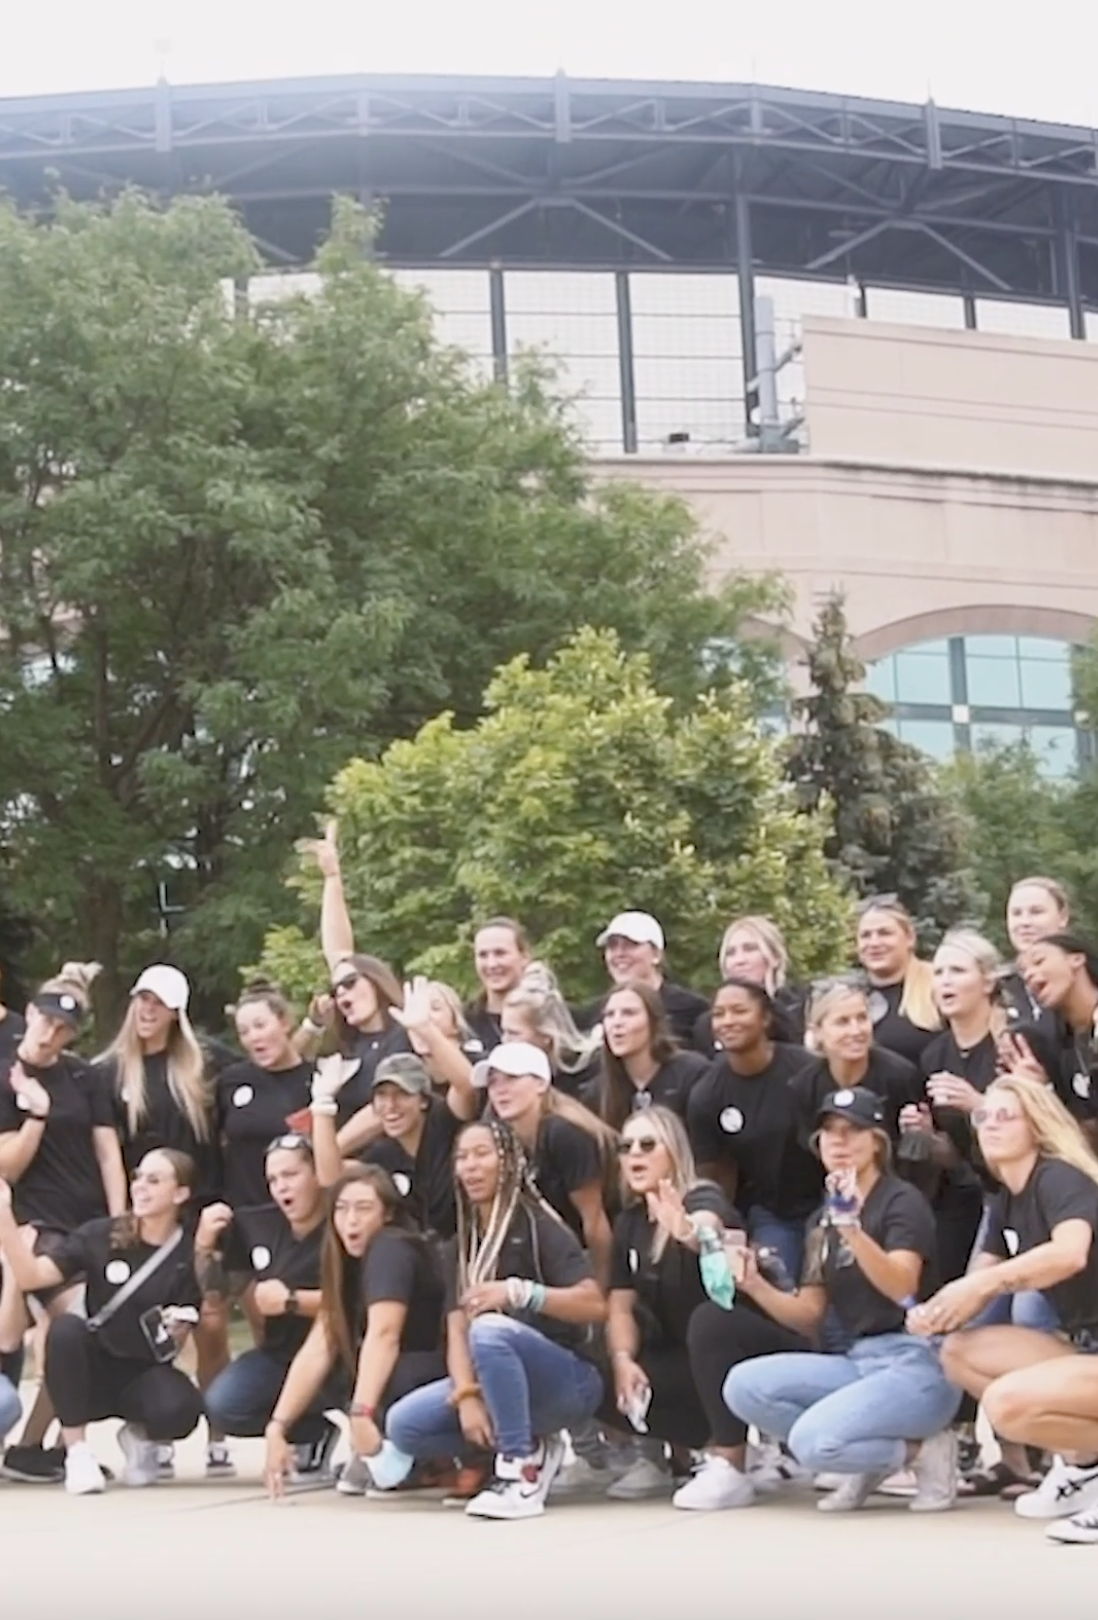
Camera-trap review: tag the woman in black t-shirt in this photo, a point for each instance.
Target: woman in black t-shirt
(641, 1063)
(842, 1033)
(1036, 1388)
(266, 1094)
(901, 995)
(520, 1308)
(116, 1362)
(753, 948)
(276, 1246)
(380, 1319)
(885, 1403)
(1061, 972)
(742, 1120)
(1036, 908)
(535, 1011)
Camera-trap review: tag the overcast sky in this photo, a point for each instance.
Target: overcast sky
(965, 52)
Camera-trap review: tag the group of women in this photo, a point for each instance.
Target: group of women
(521, 1247)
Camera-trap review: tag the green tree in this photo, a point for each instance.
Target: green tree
(894, 830)
(582, 790)
(239, 548)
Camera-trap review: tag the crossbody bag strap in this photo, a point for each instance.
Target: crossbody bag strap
(140, 1276)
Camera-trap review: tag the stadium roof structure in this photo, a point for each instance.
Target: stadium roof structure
(601, 174)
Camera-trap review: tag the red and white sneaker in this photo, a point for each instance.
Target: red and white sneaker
(521, 1484)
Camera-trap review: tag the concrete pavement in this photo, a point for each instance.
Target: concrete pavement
(221, 1550)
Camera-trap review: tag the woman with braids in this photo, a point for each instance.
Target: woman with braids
(521, 1305)
(142, 1299)
(379, 1325)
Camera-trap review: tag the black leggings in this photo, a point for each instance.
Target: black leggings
(86, 1383)
(719, 1340)
(676, 1414)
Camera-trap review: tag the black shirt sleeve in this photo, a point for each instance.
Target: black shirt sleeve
(621, 1275)
(100, 1095)
(389, 1270)
(702, 1126)
(994, 1243)
(908, 1224)
(561, 1261)
(1066, 1194)
(73, 1254)
(575, 1155)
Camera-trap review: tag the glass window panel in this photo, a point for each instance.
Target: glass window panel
(880, 679)
(922, 677)
(1056, 748)
(914, 308)
(1022, 320)
(934, 737)
(985, 734)
(993, 682)
(1044, 647)
(1045, 685)
(991, 646)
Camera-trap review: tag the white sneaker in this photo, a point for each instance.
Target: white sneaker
(935, 1469)
(83, 1475)
(715, 1484)
(520, 1486)
(165, 1462)
(853, 1492)
(902, 1483)
(828, 1482)
(1065, 1490)
(582, 1478)
(354, 1477)
(140, 1459)
(1081, 1529)
(219, 1464)
(769, 1468)
(644, 1478)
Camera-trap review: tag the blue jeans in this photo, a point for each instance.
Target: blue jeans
(847, 1414)
(785, 1237)
(241, 1399)
(531, 1386)
(1028, 1309)
(10, 1408)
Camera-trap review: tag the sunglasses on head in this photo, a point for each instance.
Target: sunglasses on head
(879, 902)
(840, 981)
(292, 1142)
(644, 1144)
(347, 982)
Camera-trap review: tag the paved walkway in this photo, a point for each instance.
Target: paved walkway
(193, 1550)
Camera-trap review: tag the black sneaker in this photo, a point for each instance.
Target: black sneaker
(34, 1465)
(312, 1461)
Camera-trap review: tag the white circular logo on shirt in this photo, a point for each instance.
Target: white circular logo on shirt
(843, 1099)
(731, 1120)
(242, 1096)
(261, 1257)
(402, 1184)
(634, 1260)
(1010, 1240)
(117, 1271)
(1081, 1085)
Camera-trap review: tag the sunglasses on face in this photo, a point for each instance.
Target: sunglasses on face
(643, 1144)
(994, 1116)
(292, 1141)
(348, 982)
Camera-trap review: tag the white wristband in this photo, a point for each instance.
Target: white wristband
(324, 1105)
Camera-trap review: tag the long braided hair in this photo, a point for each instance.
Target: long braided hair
(479, 1247)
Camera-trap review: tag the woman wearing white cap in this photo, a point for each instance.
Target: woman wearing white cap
(632, 944)
(568, 1149)
(162, 1082)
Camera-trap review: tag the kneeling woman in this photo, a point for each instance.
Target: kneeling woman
(1037, 1388)
(863, 1413)
(380, 1318)
(521, 1306)
(142, 1298)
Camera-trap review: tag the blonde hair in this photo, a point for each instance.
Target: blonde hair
(827, 992)
(670, 1133)
(1054, 890)
(917, 1003)
(73, 979)
(453, 1001)
(186, 1069)
(985, 956)
(1055, 1133)
(768, 937)
(547, 1015)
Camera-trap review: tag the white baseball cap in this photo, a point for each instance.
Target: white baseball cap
(167, 984)
(514, 1058)
(639, 926)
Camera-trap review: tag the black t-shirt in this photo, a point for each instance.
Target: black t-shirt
(978, 1065)
(426, 1182)
(485, 1025)
(669, 1290)
(1055, 1192)
(1075, 1079)
(62, 1187)
(402, 1268)
(895, 1081)
(1021, 1007)
(90, 1252)
(261, 1242)
(369, 1048)
(165, 1125)
(751, 1122)
(669, 1087)
(891, 1029)
(539, 1248)
(566, 1157)
(254, 1106)
(895, 1216)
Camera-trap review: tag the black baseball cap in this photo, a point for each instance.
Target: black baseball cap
(861, 1107)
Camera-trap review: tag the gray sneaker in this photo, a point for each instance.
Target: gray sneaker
(936, 1470)
(853, 1493)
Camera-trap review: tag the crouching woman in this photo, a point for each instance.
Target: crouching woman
(521, 1305)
